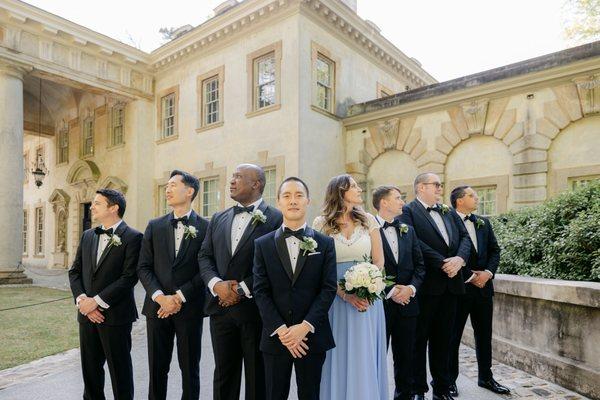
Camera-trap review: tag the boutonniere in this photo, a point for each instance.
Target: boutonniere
(403, 229)
(308, 244)
(444, 208)
(479, 223)
(115, 240)
(189, 231)
(258, 216)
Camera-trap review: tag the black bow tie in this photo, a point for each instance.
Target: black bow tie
(471, 218)
(100, 231)
(299, 234)
(240, 209)
(434, 208)
(183, 220)
(395, 223)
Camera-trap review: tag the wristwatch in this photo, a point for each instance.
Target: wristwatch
(240, 291)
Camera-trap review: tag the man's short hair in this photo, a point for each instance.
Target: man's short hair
(114, 197)
(188, 180)
(293, 179)
(382, 191)
(421, 178)
(458, 193)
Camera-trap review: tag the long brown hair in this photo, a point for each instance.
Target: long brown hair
(334, 207)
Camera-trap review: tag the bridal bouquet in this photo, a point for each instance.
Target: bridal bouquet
(366, 281)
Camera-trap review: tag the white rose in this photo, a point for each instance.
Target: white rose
(372, 288)
(349, 286)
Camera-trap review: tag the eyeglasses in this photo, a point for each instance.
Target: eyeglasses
(437, 184)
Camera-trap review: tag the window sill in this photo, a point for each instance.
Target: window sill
(89, 156)
(39, 256)
(209, 127)
(62, 164)
(263, 110)
(167, 139)
(325, 112)
(116, 146)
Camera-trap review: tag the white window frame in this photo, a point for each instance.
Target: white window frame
(117, 125)
(210, 196)
(39, 231)
(328, 87)
(87, 137)
(25, 232)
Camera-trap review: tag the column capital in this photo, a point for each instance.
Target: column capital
(14, 69)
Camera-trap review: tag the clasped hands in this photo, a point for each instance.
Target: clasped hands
(227, 293)
(294, 338)
(452, 265)
(89, 308)
(402, 294)
(169, 305)
(480, 278)
(353, 300)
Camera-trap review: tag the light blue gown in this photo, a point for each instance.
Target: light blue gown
(356, 368)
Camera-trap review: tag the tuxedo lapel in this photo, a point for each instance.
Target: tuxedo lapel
(446, 219)
(94, 249)
(480, 239)
(250, 228)
(428, 217)
(302, 256)
(229, 214)
(185, 242)
(119, 231)
(284, 255)
(387, 250)
(169, 233)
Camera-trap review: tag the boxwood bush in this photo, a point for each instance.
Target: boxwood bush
(559, 239)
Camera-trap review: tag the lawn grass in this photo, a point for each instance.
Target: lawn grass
(29, 333)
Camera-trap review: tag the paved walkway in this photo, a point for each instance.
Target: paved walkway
(58, 377)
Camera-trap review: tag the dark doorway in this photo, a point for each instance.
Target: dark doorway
(86, 220)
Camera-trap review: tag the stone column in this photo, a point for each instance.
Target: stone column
(11, 174)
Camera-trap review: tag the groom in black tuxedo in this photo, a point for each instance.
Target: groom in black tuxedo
(446, 246)
(102, 279)
(403, 261)
(226, 267)
(294, 286)
(477, 302)
(168, 269)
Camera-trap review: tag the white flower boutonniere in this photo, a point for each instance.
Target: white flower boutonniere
(444, 208)
(258, 216)
(308, 244)
(115, 240)
(479, 223)
(189, 231)
(403, 229)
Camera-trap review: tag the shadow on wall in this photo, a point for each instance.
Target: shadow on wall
(341, 108)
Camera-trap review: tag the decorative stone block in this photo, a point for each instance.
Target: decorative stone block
(515, 133)
(495, 110)
(530, 168)
(567, 97)
(556, 115)
(530, 195)
(530, 142)
(546, 128)
(589, 94)
(450, 134)
(475, 113)
(530, 180)
(413, 139)
(405, 129)
(431, 156)
(442, 145)
(458, 119)
(530, 156)
(505, 124)
(418, 150)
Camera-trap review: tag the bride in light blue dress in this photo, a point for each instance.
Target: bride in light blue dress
(356, 368)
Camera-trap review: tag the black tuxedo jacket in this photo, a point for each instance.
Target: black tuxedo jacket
(159, 269)
(409, 270)
(485, 256)
(435, 249)
(287, 298)
(216, 260)
(112, 277)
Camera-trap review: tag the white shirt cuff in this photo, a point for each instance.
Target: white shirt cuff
(212, 283)
(414, 289)
(79, 298)
(310, 326)
(246, 291)
(489, 272)
(101, 302)
(391, 293)
(181, 296)
(275, 331)
(156, 294)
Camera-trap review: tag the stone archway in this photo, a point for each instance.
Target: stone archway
(112, 182)
(60, 205)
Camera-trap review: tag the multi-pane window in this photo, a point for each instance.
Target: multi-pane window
(487, 200)
(39, 231)
(211, 95)
(63, 146)
(117, 124)
(168, 115)
(25, 229)
(270, 192)
(210, 196)
(163, 207)
(582, 181)
(264, 81)
(88, 137)
(324, 79)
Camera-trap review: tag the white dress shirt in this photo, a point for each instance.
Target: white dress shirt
(103, 241)
(179, 233)
(238, 227)
(293, 246)
(439, 221)
(391, 236)
(472, 229)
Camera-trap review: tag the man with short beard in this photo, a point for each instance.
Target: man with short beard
(226, 266)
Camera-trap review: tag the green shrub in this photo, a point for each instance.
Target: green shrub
(559, 239)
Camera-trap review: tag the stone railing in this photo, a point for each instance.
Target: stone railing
(550, 328)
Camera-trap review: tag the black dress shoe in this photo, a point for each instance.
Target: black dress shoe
(494, 386)
(442, 397)
(453, 390)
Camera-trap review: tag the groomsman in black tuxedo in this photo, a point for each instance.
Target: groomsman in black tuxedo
(102, 279)
(446, 246)
(175, 293)
(226, 266)
(477, 302)
(403, 261)
(294, 287)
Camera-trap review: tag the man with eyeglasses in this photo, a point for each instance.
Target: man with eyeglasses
(445, 245)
